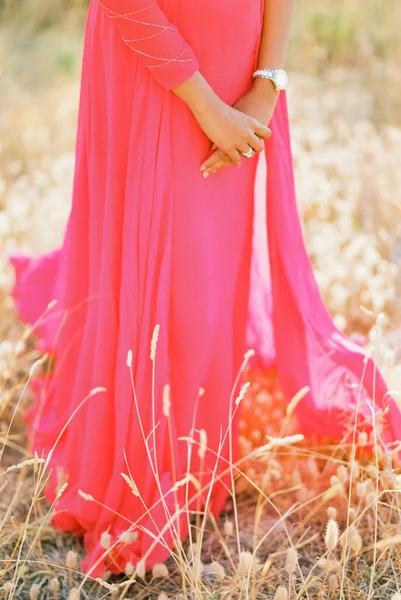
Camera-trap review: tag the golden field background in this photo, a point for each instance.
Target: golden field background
(333, 522)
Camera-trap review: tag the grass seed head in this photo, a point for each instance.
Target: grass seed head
(74, 594)
(34, 591)
(248, 354)
(153, 344)
(54, 585)
(105, 539)
(332, 512)
(141, 569)
(362, 438)
(334, 480)
(342, 473)
(71, 559)
(328, 564)
(332, 534)
(131, 483)
(355, 470)
(160, 570)
(127, 537)
(333, 582)
(87, 497)
(196, 569)
(371, 497)
(228, 527)
(242, 392)
(281, 593)
(246, 562)
(361, 489)
(291, 562)
(355, 540)
(23, 570)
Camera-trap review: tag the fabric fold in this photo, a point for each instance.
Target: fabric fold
(310, 350)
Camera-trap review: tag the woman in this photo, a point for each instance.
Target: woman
(158, 253)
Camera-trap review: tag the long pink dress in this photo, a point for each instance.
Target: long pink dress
(219, 264)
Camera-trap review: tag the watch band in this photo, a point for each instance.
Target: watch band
(277, 76)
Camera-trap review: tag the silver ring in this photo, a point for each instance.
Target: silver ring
(250, 153)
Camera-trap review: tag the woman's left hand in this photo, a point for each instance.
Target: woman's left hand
(259, 102)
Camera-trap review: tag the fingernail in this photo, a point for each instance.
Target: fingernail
(205, 174)
(203, 167)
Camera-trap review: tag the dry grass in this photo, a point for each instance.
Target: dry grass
(307, 522)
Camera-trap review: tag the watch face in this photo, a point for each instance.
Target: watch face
(281, 79)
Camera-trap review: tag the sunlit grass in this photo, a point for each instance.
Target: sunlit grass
(313, 521)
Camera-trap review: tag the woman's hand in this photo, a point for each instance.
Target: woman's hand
(230, 129)
(259, 102)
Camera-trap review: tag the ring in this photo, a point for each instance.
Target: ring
(250, 153)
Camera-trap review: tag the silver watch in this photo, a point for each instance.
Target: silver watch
(277, 76)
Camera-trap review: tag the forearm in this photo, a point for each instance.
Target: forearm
(197, 93)
(277, 19)
(275, 34)
(260, 100)
(277, 16)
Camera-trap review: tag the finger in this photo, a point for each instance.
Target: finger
(212, 168)
(243, 146)
(234, 155)
(222, 166)
(224, 161)
(212, 159)
(257, 143)
(217, 167)
(261, 130)
(221, 158)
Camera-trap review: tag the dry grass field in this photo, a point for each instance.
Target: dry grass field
(310, 523)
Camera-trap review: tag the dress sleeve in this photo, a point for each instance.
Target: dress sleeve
(145, 28)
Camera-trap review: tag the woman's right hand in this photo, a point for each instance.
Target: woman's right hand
(230, 129)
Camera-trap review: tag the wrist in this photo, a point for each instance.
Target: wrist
(197, 94)
(265, 90)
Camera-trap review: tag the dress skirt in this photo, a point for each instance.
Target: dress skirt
(163, 281)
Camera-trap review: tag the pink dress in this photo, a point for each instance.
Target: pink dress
(219, 264)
